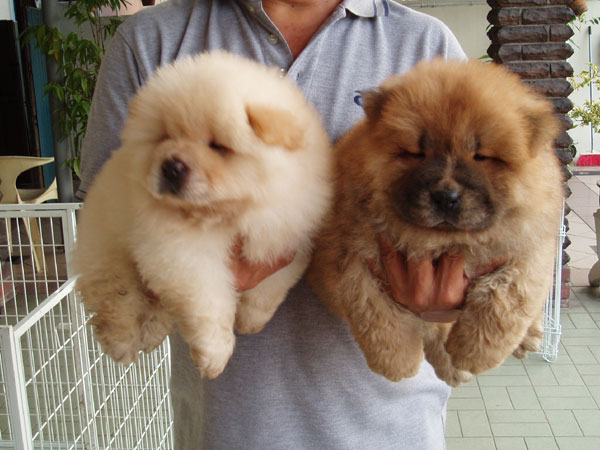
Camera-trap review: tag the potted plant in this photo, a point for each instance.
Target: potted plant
(77, 56)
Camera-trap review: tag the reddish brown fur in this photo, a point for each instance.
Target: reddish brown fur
(475, 122)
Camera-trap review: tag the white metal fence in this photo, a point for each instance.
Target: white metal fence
(57, 390)
(551, 324)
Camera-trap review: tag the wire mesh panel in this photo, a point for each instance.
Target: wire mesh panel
(57, 389)
(33, 257)
(551, 321)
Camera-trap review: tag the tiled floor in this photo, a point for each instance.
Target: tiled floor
(531, 404)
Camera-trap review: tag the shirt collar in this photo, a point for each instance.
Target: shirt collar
(367, 8)
(362, 8)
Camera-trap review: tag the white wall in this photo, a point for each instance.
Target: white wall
(469, 24)
(582, 135)
(6, 10)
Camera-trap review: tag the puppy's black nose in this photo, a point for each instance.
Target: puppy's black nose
(174, 174)
(446, 200)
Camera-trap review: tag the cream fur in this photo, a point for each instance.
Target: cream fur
(151, 261)
(448, 112)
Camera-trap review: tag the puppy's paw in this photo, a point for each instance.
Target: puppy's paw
(120, 343)
(250, 319)
(469, 354)
(211, 358)
(529, 344)
(153, 332)
(395, 365)
(453, 377)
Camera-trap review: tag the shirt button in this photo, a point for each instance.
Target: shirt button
(273, 39)
(251, 9)
(282, 73)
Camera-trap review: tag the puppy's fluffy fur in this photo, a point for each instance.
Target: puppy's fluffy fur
(452, 157)
(214, 147)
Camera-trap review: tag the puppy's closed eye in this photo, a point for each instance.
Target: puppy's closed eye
(220, 149)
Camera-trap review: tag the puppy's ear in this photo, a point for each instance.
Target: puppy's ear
(373, 102)
(275, 126)
(543, 125)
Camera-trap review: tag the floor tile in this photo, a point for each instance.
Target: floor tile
(583, 321)
(595, 350)
(516, 416)
(465, 404)
(523, 397)
(566, 375)
(541, 375)
(588, 369)
(595, 391)
(510, 443)
(568, 403)
(531, 404)
(474, 424)
(578, 443)
(565, 321)
(496, 398)
(521, 429)
(589, 422)
(452, 424)
(466, 392)
(588, 332)
(503, 380)
(470, 444)
(563, 423)
(591, 380)
(580, 354)
(511, 360)
(561, 391)
(505, 370)
(541, 443)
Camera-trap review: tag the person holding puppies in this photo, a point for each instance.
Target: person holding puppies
(302, 382)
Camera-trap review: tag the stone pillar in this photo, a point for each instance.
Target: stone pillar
(530, 37)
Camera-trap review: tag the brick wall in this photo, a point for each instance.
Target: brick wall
(530, 38)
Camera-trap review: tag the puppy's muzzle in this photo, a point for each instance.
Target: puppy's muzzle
(174, 174)
(446, 201)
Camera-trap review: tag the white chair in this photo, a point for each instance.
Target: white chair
(10, 168)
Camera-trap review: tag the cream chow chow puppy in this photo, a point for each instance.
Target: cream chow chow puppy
(215, 148)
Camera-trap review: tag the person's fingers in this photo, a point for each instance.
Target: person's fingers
(450, 282)
(421, 279)
(248, 274)
(429, 290)
(396, 272)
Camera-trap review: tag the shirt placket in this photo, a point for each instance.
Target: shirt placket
(275, 49)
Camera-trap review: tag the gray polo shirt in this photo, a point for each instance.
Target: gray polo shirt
(302, 383)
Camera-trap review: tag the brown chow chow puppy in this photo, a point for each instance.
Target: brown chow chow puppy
(452, 157)
(215, 147)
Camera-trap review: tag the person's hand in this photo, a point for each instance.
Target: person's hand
(433, 290)
(248, 275)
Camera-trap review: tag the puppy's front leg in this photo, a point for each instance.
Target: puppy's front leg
(126, 320)
(533, 338)
(438, 357)
(390, 336)
(393, 347)
(196, 287)
(209, 333)
(258, 305)
(498, 312)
